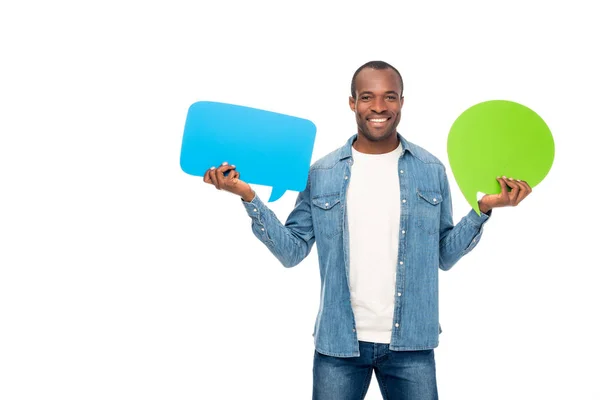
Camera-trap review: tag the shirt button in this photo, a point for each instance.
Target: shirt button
(404, 200)
(255, 210)
(401, 171)
(346, 177)
(326, 204)
(262, 229)
(397, 325)
(403, 232)
(401, 262)
(399, 294)
(434, 200)
(353, 330)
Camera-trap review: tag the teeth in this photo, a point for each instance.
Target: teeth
(378, 120)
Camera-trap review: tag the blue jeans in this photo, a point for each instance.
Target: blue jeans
(402, 375)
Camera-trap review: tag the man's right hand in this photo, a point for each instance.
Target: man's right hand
(230, 183)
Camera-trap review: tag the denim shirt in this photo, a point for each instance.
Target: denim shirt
(428, 241)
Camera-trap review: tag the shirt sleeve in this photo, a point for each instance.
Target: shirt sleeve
(290, 242)
(457, 240)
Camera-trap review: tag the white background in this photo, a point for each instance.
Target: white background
(122, 277)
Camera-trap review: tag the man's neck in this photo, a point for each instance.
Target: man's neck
(367, 146)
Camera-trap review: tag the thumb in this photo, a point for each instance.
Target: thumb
(235, 178)
(503, 186)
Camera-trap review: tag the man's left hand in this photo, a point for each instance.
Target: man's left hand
(518, 191)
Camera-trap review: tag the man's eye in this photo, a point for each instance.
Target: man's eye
(365, 98)
(391, 97)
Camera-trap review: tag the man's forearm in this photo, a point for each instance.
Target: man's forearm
(460, 239)
(290, 242)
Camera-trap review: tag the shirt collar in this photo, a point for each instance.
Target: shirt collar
(346, 150)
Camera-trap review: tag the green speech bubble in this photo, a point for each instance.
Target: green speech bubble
(498, 138)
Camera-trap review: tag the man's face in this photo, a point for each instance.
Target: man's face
(378, 103)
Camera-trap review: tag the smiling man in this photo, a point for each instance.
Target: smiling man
(380, 212)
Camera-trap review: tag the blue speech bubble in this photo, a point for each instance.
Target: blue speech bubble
(267, 148)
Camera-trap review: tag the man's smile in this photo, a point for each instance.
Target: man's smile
(380, 121)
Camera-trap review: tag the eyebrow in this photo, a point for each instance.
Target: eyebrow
(388, 92)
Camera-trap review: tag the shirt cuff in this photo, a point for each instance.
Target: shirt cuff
(478, 220)
(253, 207)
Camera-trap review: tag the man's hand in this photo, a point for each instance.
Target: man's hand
(230, 183)
(518, 191)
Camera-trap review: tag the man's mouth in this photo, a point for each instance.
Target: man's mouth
(378, 121)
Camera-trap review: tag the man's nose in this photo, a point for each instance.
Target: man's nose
(378, 105)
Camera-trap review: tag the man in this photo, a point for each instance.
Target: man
(380, 211)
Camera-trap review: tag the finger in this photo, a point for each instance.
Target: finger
(228, 172)
(504, 193)
(207, 175)
(514, 190)
(529, 189)
(213, 177)
(220, 173)
(224, 169)
(522, 191)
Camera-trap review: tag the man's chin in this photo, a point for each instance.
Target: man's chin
(376, 136)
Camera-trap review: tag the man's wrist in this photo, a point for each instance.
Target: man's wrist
(248, 197)
(483, 208)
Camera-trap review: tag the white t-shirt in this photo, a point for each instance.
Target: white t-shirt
(373, 221)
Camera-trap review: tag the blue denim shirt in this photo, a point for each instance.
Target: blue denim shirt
(428, 241)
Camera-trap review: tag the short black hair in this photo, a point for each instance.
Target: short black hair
(375, 65)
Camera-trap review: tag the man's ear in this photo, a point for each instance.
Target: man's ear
(401, 102)
(352, 103)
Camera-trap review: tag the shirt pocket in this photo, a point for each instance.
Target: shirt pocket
(428, 211)
(327, 214)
